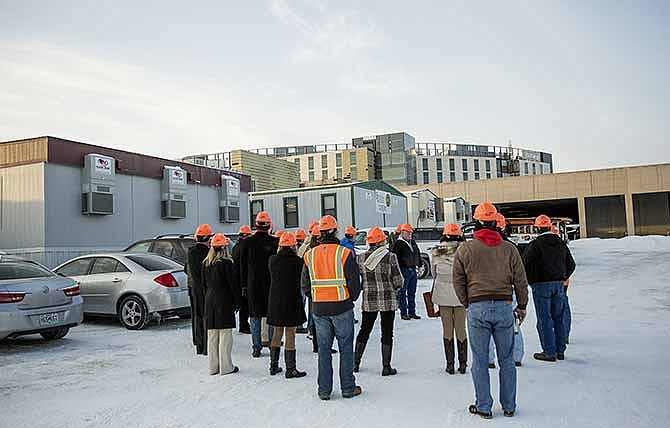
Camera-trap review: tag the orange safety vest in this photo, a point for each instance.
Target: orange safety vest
(326, 272)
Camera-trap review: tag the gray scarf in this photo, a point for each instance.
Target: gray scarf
(375, 257)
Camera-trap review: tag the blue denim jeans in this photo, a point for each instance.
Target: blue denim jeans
(549, 300)
(567, 316)
(255, 324)
(328, 328)
(407, 294)
(485, 320)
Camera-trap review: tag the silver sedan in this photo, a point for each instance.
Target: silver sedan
(134, 287)
(33, 299)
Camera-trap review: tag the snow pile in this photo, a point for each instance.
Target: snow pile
(615, 374)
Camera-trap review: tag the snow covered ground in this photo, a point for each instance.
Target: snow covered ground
(616, 371)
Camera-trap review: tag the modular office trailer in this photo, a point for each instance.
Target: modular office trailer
(60, 199)
(362, 205)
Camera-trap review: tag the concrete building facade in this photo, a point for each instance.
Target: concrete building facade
(41, 213)
(606, 203)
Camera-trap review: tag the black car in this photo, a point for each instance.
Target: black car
(173, 247)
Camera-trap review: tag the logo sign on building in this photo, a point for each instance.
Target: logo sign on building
(178, 176)
(383, 202)
(103, 166)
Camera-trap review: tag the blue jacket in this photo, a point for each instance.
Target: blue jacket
(347, 243)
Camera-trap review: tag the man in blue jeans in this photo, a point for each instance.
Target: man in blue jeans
(548, 264)
(409, 258)
(487, 273)
(332, 280)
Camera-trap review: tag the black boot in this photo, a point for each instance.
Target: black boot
(387, 352)
(449, 355)
(274, 361)
(462, 355)
(291, 371)
(358, 355)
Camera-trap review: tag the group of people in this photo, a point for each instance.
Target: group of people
(482, 282)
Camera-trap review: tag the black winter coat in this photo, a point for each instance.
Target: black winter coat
(285, 306)
(408, 258)
(196, 255)
(254, 273)
(222, 294)
(547, 258)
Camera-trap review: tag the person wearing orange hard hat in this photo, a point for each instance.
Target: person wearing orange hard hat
(409, 258)
(286, 310)
(332, 280)
(255, 279)
(487, 274)
(348, 240)
(452, 312)
(244, 233)
(381, 279)
(300, 237)
(548, 264)
(194, 258)
(222, 298)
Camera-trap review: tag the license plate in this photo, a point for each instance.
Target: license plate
(49, 319)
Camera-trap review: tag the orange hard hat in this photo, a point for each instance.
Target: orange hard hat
(279, 233)
(406, 228)
(350, 230)
(263, 217)
(312, 225)
(542, 221)
(203, 230)
(300, 235)
(245, 230)
(315, 232)
(375, 235)
(554, 230)
(500, 221)
(397, 228)
(485, 211)
(287, 240)
(328, 222)
(452, 229)
(219, 240)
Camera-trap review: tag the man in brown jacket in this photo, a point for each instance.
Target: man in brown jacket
(487, 272)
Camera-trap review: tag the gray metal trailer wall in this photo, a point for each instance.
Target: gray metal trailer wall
(47, 224)
(366, 215)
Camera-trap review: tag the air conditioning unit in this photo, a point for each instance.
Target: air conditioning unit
(97, 185)
(229, 200)
(173, 193)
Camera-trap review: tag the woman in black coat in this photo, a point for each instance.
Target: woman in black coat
(222, 297)
(285, 308)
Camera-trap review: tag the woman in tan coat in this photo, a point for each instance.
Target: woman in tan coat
(452, 311)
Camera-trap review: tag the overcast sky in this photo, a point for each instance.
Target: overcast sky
(586, 81)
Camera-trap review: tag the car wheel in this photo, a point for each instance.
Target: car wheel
(424, 269)
(133, 313)
(55, 334)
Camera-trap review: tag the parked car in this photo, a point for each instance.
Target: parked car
(174, 246)
(426, 239)
(134, 287)
(33, 299)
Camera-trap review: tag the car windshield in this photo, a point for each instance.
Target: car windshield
(359, 237)
(22, 270)
(154, 262)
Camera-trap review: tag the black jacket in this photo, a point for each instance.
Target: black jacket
(254, 273)
(547, 258)
(285, 307)
(408, 258)
(222, 294)
(353, 277)
(193, 268)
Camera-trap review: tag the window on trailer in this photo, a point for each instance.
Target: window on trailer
(329, 204)
(256, 207)
(291, 212)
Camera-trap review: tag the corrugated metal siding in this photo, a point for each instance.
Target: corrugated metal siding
(23, 152)
(22, 206)
(366, 211)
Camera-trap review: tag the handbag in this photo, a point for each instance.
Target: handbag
(430, 307)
